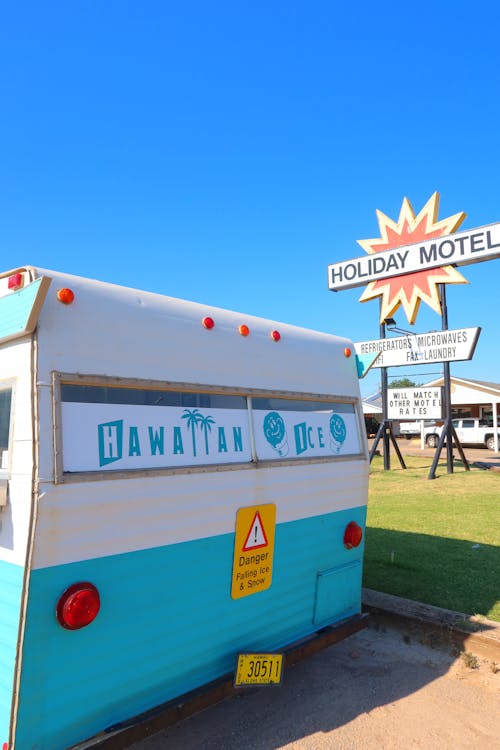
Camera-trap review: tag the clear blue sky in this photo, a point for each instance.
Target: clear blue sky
(227, 152)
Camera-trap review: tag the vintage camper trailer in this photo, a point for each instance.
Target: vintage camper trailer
(179, 484)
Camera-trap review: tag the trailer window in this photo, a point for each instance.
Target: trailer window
(94, 394)
(288, 404)
(122, 428)
(291, 429)
(5, 410)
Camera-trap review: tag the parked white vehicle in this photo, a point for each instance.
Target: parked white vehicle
(413, 428)
(469, 432)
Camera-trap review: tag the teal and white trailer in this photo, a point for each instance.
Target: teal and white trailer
(179, 484)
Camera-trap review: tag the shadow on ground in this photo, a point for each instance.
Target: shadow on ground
(381, 688)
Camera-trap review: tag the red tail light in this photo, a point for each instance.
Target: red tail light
(78, 606)
(353, 535)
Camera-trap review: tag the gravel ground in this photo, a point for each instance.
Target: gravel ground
(381, 689)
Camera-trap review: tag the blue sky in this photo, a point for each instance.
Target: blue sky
(228, 152)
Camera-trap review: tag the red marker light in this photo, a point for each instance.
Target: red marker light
(208, 323)
(275, 335)
(66, 296)
(15, 282)
(5, 746)
(347, 352)
(353, 535)
(78, 606)
(244, 330)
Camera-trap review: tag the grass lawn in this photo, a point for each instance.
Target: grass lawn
(435, 541)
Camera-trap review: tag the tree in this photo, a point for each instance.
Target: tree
(403, 383)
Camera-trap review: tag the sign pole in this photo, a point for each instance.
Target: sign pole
(448, 432)
(385, 429)
(447, 387)
(387, 426)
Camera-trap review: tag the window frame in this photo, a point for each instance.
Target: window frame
(59, 379)
(8, 385)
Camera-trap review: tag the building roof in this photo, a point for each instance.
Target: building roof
(372, 404)
(477, 385)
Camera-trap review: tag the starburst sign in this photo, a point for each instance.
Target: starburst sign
(412, 288)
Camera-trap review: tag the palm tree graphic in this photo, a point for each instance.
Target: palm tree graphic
(206, 425)
(193, 417)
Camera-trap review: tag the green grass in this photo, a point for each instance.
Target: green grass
(422, 536)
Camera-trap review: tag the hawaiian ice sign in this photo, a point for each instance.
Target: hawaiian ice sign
(99, 437)
(275, 433)
(306, 434)
(102, 437)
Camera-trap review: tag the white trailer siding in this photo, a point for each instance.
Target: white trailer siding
(126, 333)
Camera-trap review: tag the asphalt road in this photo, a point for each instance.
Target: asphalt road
(384, 688)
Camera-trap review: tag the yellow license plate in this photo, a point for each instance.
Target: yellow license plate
(259, 669)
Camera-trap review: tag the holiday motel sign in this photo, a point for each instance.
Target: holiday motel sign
(461, 249)
(412, 257)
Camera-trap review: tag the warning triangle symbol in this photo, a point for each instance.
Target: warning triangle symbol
(256, 536)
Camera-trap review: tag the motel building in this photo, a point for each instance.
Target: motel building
(477, 399)
(473, 398)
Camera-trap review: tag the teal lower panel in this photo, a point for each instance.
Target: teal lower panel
(168, 624)
(337, 590)
(11, 585)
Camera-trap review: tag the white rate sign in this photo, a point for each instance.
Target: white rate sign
(414, 403)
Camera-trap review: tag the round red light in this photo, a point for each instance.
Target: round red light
(5, 746)
(78, 606)
(244, 330)
(275, 335)
(66, 296)
(347, 352)
(353, 535)
(208, 323)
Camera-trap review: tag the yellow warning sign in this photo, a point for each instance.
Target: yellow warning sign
(253, 550)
